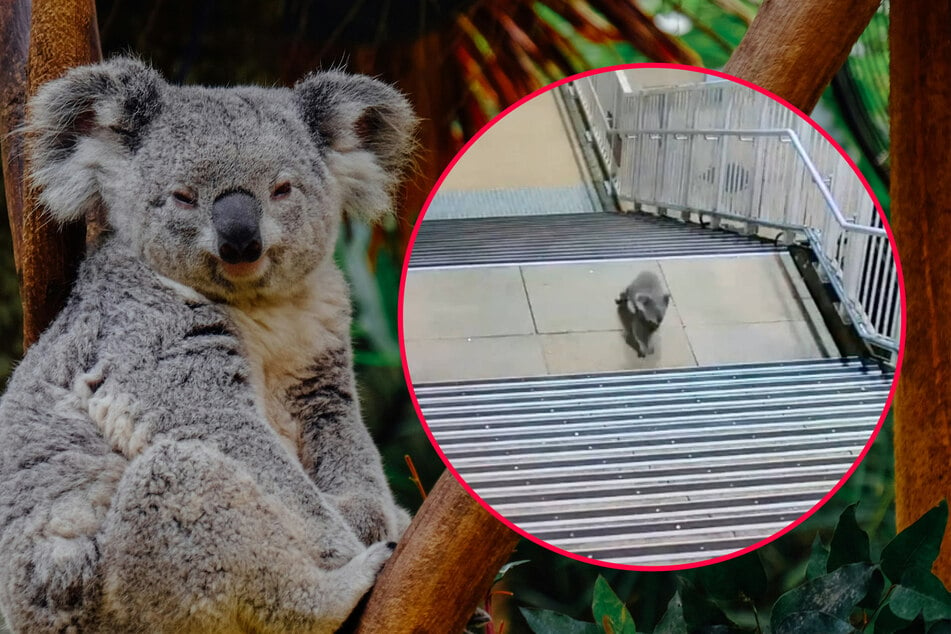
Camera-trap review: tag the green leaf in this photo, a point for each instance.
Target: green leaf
(818, 559)
(917, 546)
(813, 623)
(920, 592)
(608, 608)
(849, 543)
(886, 621)
(504, 569)
(699, 612)
(876, 585)
(371, 317)
(940, 627)
(550, 622)
(835, 593)
(735, 577)
(673, 620)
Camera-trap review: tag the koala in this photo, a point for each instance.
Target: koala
(641, 307)
(183, 450)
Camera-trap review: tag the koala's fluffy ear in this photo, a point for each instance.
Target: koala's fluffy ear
(80, 123)
(367, 127)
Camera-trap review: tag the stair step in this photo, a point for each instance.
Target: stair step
(663, 466)
(571, 238)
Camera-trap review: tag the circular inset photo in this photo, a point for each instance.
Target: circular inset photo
(651, 317)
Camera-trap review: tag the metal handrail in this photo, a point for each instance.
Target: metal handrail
(846, 271)
(832, 205)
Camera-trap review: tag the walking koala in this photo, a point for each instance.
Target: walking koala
(641, 307)
(183, 451)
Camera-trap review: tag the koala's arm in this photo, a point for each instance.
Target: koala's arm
(338, 451)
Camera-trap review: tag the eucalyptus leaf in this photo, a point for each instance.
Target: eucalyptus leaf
(917, 546)
(813, 623)
(504, 569)
(673, 620)
(607, 607)
(876, 586)
(551, 622)
(835, 593)
(849, 543)
(818, 559)
(920, 592)
(887, 621)
(700, 613)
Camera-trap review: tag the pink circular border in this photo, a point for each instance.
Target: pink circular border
(598, 562)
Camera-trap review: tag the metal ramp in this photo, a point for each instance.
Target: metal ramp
(571, 238)
(658, 467)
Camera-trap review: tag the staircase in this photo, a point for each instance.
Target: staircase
(571, 238)
(658, 467)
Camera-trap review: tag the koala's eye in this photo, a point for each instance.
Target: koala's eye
(184, 198)
(282, 190)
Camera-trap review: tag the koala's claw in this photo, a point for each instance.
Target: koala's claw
(375, 556)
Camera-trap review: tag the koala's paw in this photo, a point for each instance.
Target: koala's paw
(372, 519)
(370, 561)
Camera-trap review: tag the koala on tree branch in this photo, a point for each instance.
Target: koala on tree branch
(182, 450)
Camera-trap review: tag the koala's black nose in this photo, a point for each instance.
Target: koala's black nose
(236, 217)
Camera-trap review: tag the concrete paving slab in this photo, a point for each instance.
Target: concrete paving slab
(606, 351)
(754, 342)
(579, 297)
(560, 319)
(474, 358)
(746, 289)
(465, 303)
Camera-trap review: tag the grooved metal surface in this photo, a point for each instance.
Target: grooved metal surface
(658, 467)
(570, 238)
(455, 204)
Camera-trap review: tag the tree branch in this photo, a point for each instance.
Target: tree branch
(794, 48)
(63, 34)
(444, 565)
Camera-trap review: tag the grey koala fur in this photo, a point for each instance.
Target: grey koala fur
(641, 307)
(182, 450)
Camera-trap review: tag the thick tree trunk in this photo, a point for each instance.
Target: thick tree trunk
(794, 47)
(921, 219)
(63, 34)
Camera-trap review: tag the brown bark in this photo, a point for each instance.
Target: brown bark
(921, 220)
(63, 34)
(444, 565)
(14, 49)
(794, 47)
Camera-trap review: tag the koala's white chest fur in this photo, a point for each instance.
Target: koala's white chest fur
(283, 339)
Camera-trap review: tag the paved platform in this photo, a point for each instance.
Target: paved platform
(509, 321)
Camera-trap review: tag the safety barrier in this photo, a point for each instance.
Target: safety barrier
(724, 152)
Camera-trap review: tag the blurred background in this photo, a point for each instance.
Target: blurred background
(461, 62)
